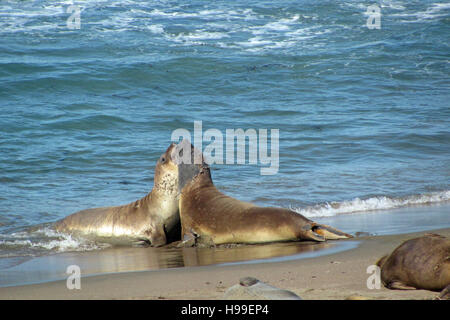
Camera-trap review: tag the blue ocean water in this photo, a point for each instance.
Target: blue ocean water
(363, 114)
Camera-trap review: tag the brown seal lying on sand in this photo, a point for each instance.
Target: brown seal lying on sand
(210, 217)
(150, 220)
(420, 263)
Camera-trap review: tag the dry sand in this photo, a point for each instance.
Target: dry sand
(335, 276)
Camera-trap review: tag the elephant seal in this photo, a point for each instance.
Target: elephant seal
(150, 220)
(250, 288)
(208, 217)
(419, 263)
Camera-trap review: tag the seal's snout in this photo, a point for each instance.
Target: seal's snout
(185, 153)
(166, 157)
(170, 148)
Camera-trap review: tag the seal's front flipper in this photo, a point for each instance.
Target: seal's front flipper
(330, 233)
(140, 243)
(189, 240)
(158, 236)
(400, 286)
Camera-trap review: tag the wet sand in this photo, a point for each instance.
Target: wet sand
(52, 267)
(338, 275)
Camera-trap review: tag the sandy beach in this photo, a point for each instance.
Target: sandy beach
(340, 275)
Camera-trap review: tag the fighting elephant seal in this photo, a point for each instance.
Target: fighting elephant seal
(419, 263)
(150, 220)
(208, 217)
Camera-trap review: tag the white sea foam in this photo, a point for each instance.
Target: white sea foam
(436, 10)
(212, 26)
(199, 35)
(254, 42)
(284, 38)
(207, 14)
(156, 28)
(375, 203)
(395, 5)
(48, 239)
(283, 24)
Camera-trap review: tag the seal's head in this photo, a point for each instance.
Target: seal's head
(166, 172)
(190, 162)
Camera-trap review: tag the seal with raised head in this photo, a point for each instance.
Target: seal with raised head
(419, 263)
(150, 220)
(209, 217)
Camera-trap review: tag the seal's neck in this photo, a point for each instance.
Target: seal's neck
(165, 189)
(202, 180)
(166, 185)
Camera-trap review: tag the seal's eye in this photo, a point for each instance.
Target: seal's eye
(162, 159)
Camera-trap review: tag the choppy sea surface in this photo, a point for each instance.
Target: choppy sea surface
(363, 114)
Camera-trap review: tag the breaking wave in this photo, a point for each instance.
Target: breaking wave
(329, 209)
(42, 241)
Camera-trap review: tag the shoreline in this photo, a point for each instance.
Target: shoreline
(334, 276)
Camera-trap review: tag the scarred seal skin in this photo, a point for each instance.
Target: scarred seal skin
(151, 220)
(209, 217)
(419, 263)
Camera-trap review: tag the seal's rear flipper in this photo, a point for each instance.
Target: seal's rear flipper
(308, 233)
(330, 233)
(445, 294)
(399, 286)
